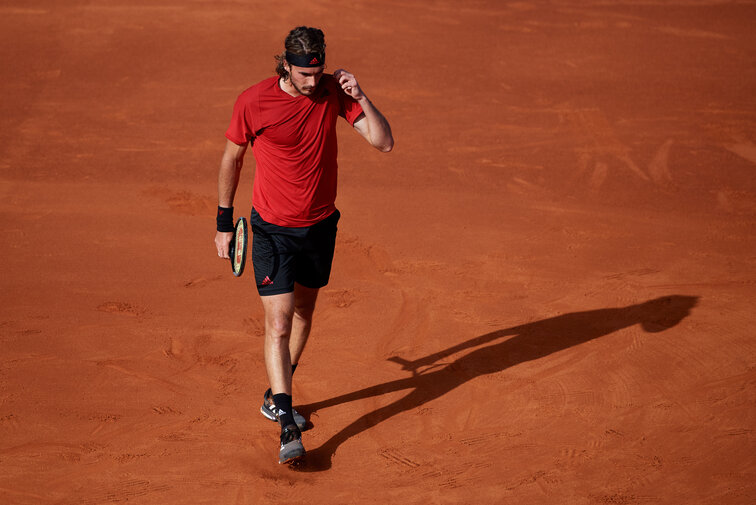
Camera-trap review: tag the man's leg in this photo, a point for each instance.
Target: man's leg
(279, 314)
(304, 306)
(288, 320)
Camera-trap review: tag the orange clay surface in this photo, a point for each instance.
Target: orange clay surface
(544, 295)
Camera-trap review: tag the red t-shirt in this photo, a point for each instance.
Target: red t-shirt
(294, 143)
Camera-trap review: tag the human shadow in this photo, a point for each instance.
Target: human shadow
(527, 342)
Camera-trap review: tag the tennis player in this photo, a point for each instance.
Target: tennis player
(289, 120)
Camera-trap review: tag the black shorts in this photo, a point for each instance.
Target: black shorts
(282, 256)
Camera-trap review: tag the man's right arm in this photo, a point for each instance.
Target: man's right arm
(228, 180)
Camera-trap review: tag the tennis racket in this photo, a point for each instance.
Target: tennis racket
(237, 249)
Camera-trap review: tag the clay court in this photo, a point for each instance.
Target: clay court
(544, 295)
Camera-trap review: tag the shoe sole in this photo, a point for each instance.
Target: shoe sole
(290, 455)
(267, 414)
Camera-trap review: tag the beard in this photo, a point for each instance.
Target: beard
(304, 90)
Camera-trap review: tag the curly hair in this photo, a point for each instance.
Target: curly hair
(301, 40)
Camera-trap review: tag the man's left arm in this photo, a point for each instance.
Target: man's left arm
(371, 124)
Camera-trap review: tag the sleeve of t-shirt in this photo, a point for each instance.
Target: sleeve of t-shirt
(350, 109)
(241, 130)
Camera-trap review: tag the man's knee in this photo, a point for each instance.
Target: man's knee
(304, 303)
(304, 312)
(278, 326)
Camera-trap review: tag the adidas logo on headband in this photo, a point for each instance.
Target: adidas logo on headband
(305, 60)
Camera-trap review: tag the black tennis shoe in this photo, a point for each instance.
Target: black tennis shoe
(291, 445)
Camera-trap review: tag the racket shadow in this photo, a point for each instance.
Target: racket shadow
(526, 342)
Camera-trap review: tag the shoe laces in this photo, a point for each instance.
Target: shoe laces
(290, 433)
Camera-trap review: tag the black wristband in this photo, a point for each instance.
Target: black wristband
(224, 221)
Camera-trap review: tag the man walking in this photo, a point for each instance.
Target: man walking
(290, 122)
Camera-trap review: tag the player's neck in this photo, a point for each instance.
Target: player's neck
(288, 88)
